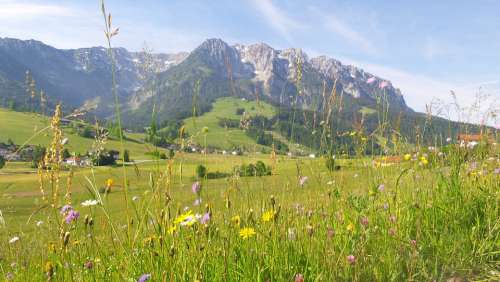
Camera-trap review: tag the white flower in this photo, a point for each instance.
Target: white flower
(448, 139)
(64, 141)
(89, 203)
(135, 198)
(13, 240)
(39, 223)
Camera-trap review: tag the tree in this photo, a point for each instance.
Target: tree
(65, 153)
(201, 171)
(2, 162)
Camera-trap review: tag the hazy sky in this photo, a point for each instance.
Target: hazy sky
(426, 48)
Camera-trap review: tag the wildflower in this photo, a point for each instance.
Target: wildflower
(351, 259)
(299, 277)
(236, 220)
(424, 161)
(196, 187)
(407, 157)
(496, 171)
(413, 243)
(291, 234)
(66, 208)
(364, 221)
(187, 219)
(9, 276)
(181, 218)
(144, 277)
(247, 232)
(88, 264)
(39, 223)
(72, 216)
(448, 139)
(172, 229)
(49, 269)
(350, 227)
(109, 182)
(206, 218)
(268, 215)
(303, 180)
(386, 206)
(89, 203)
(381, 188)
(135, 198)
(14, 239)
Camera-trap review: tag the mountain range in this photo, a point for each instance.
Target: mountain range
(182, 84)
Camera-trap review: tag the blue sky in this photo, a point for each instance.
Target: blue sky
(426, 48)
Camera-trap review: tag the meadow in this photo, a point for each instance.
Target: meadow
(411, 213)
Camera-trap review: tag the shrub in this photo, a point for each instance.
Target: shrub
(201, 171)
(2, 162)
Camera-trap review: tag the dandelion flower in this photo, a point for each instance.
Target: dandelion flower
(407, 157)
(247, 232)
(350, 227)
(268, 215)
(172, 229)
(109, 182)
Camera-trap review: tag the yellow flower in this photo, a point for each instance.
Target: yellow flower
(236, 220)
(109, 182)
(172, 229)
(350, 227)
(268, 215)
(424, 161)
(247, 232)
(407, 157)
(185, 217)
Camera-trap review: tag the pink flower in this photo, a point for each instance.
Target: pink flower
(371, 80)
(351, 259)
(196, 187)
(413, 243)
(330, 233)
(392, 231)
(392, 218)
(299, 277)
(205, 219)
(381, 188)
(383, 84)
(364, 221)
(197, 202)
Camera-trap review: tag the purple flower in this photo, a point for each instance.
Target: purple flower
(144, 277)
(206, 218)
(386, 206)
(351, 259)
(66, 208)
(381, 188)
(72, 216)
(303, 180)
(496, 171)
(371, 80)
(196, 187)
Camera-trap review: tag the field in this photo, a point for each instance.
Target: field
(429, 217)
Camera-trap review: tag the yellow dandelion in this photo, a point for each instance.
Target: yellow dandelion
(109, 182)
(268, 215)
(424, 161)
(183, 217)
(407, 157)
(350, 227)
(247, 232)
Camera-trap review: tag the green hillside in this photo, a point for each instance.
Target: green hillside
(226, 138)
(22, 127)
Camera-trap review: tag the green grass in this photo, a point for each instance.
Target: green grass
(226, 138)
(21, 127)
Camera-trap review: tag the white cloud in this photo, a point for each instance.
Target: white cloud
(420, 90)
(23, 11)
(336, 25)
(277, 18)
